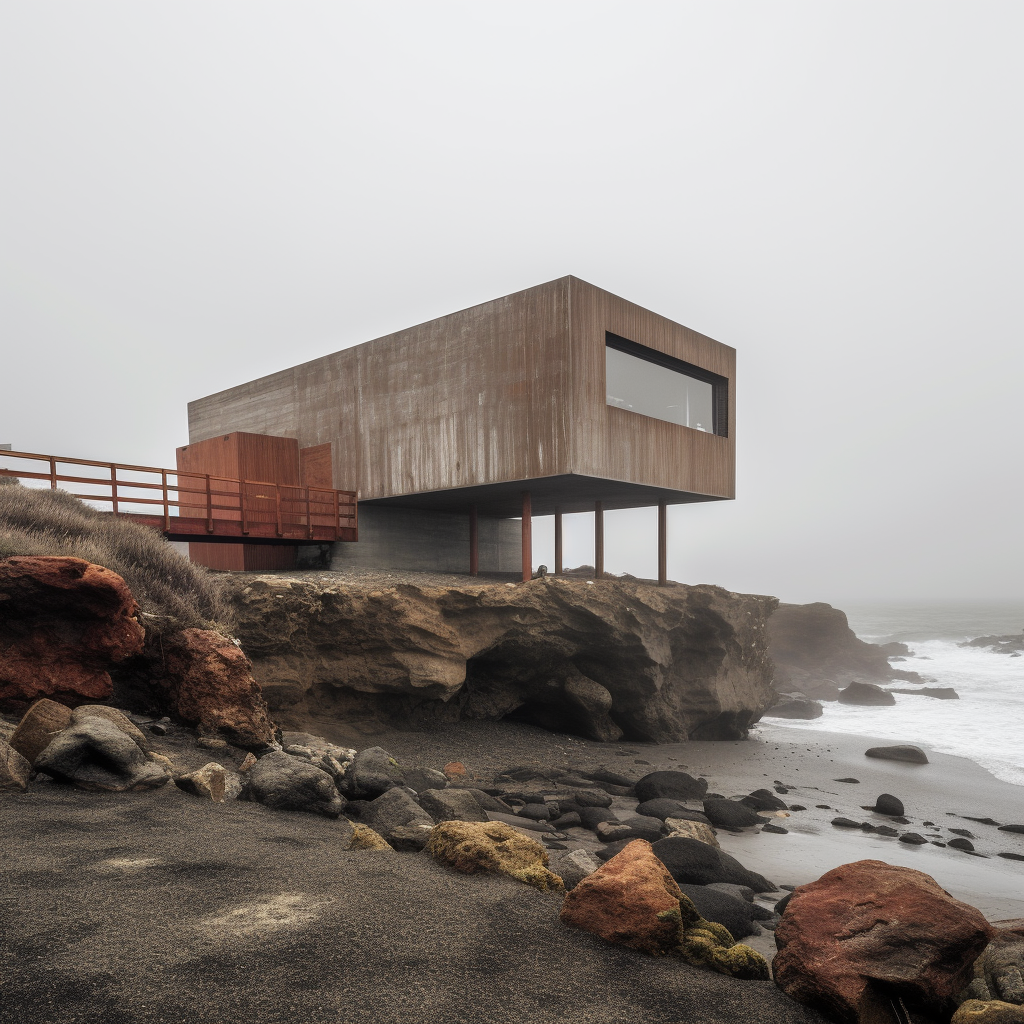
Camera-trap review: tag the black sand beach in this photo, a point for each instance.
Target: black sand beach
(158, 907)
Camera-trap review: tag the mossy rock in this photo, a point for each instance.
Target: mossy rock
(364, 838)
(472, 846)
(709, 945)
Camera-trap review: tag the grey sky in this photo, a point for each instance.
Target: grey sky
(196, 194)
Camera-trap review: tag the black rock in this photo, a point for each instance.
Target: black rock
(730, 814)
(763, 800)
(1012, 828)
(674, 785)
(1011, 856)
(961, 844)
(286, 783)
(373, 771)
(868, 694)
(734, 914)
(696, 863)
(795, 709)
(777, 829)
(824, 807)
(664, 808)
(610, 777)
(899, 752)
(564, 821)
(886, 830)
(780, 789)
(393, 809)
(591, 817)
(851, 781)
(887, 804)
(962, 832)
(157, 729)
(422, 779)
(797, 807)
(641, 827)
(780, 907)
(845, 823)
(451, 805)
(913, 838)
(488, 802)
(539, 812)
(515, 819)
(900, 819)
(981, 821)
(95, 754)
(609, 851)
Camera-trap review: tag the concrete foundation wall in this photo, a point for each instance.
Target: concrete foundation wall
(400, 538)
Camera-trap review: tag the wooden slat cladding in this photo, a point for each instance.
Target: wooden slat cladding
(510, 390)
(315, 469)
(622, 445)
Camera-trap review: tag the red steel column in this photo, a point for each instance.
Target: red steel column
(662, 544)
(598, 539)
(527, 537)
(558, 543)
(474, 543)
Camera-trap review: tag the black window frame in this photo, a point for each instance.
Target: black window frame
(719, 384)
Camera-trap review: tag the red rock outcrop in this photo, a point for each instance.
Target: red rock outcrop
(207, 682)
(63, 623)
(867, 932)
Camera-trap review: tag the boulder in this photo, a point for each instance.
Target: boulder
(670, 785)
(696, 863)
(66, 622)
(391, 810)
(38, 726)
(867, 694)
(936, 692)
(451, 805)
(411, 838)
(208, 782)
(888, 804)
(731, 814)
(691, 830)
(795, 708)
(14, 769)
(525, 823)
(591, 817)
(118, 718)
(763, 800)
(637, 827)
(202, 677)
(899, 752)
(665, 808)
(572, 866)
(95, 754)
(364, 838)
(734, 914)
(421, 779)
(998, 974)
(373, 771)
(865, 930)
(659, 664)
(633, 901)
(470, 847)
(285, 783)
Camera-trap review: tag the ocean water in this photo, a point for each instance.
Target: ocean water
(986, 724)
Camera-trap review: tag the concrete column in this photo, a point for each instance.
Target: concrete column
(598, 539)
(527, 537)
(474, 542)
(662, 544)
(558, 543)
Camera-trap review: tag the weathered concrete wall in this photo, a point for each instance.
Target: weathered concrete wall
(401, 538)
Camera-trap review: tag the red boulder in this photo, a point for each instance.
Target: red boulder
(63, 623)
(869, 932)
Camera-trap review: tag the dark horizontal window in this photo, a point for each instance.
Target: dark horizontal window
(653, 384)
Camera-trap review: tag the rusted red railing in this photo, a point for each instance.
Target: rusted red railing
(207, 507)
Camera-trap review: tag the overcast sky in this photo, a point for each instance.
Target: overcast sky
(196, 194)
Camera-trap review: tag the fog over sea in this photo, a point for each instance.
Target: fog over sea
(986, 724)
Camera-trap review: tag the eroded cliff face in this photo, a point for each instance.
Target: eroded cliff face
(604, 659)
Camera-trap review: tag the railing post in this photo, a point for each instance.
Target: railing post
(309, 518)
(53, 473)
(167, 502)
(113, 488)
(277, 500)
(337, 516)
(209, 505)
(241, 502)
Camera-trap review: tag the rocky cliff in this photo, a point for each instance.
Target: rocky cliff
(604, 659)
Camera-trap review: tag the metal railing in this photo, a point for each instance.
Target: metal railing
(203, 502)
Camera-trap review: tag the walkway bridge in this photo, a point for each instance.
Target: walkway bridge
(187, 506)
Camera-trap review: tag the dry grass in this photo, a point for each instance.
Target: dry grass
(172, 592)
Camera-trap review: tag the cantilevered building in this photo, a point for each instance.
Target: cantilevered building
(561, 398)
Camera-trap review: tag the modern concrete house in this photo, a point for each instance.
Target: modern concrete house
(561, 398)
